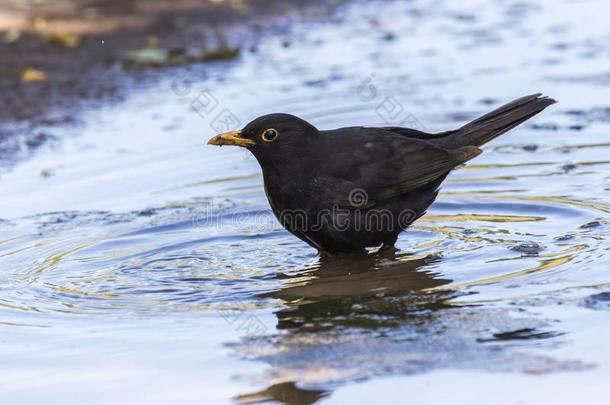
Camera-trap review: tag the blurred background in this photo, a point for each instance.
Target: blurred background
(139, 264)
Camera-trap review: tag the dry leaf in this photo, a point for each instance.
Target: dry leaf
(222, 52)
(65, 40)
(145, 57)
(11, 36)
(33, 75)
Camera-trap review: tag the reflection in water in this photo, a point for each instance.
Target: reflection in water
(373, 292)
(521, 334)
(346, 291)
(386, 271)
(285, 393)
(352, 318)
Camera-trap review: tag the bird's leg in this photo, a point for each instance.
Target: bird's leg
(388, 245)
(324, 254)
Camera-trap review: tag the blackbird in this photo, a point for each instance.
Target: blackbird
(348, 189)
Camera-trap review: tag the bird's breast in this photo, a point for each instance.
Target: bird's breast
(286, 193)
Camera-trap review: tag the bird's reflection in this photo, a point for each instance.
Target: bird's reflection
(386, 272)
(357, 291)
(374, 292)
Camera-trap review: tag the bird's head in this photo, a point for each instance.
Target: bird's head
(273, 137)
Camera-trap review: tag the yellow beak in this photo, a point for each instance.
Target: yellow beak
(230, 138)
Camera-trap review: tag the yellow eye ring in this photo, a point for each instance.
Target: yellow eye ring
(269, 135)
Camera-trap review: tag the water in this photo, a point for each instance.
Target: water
(139, 264)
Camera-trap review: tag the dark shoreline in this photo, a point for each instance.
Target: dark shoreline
(95, 70)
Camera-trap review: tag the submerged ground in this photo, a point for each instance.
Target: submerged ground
(136, 263)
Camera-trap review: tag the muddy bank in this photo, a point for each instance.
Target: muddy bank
(58, 55)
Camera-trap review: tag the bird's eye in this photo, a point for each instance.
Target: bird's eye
(269, 135)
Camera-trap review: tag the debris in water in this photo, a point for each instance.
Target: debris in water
(529, 248)
(592, 224)
(222, 52)
(46, 173)
(568, 167)
(598, 301)
(530, 147)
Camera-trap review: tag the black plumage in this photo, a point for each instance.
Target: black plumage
(347, 189)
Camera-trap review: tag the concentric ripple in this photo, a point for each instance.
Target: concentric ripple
(158, 263)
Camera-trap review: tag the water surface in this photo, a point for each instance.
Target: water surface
(136, 263)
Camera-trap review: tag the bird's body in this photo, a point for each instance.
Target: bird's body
(348, 189)
(341, 202)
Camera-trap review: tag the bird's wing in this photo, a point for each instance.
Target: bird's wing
(414, 133)
(380, 165)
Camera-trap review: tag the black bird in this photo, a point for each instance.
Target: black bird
(347, 189)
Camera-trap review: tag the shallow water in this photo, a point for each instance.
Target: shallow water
(138, 263)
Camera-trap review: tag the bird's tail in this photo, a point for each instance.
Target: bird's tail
(500, 120)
